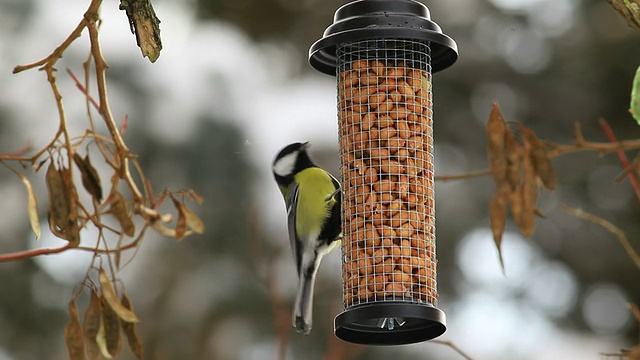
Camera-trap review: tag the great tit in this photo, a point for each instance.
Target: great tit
(312, 197)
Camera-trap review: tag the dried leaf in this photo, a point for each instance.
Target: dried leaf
(193, 221)
(32, 205)
(118, 209)
(498, 219)
(541, 162)
(91, 326)
(181, 223)
(111, 323)
(90, 178)
(495, 130)
(130, 330)
(634, 107)
(529, 191)
(73, 336)
(110, 296)
(514, 160)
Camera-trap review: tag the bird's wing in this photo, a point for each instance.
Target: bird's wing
(291, 216)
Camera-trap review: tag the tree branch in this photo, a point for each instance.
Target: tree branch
(630, 11)
(31, 253)
(100, 64)
(622, 237)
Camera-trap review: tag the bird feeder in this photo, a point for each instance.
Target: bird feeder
(383, 53)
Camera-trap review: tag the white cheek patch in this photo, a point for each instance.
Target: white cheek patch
(284, 166)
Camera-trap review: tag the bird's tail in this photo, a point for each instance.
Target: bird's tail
(303, 309)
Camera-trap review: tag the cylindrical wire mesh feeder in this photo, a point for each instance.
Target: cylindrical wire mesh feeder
(383, 53)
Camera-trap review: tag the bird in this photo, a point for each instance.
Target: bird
(312, 197)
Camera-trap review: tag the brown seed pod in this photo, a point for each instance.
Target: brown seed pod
(541, 162)
(32, 206)
(118, 209)
(495, 130)
(91, 326)
(111, 323)
(498, 220)
(515, 203)
(130, 331)
(529, 191)
(110, 296)
(514, 159)
(90, 178)
(73, 334)
(62, 204)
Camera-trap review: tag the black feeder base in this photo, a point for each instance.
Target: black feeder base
(389, 323)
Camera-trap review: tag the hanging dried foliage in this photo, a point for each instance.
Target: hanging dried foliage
(519, 162)
(70, 157)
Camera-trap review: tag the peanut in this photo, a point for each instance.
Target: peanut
(385, 121)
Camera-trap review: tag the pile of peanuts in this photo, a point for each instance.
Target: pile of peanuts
(386, 147)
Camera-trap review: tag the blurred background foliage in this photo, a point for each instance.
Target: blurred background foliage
(232, 86)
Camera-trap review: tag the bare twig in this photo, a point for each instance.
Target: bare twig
(280, 310)
(83, 89)
(32, 253)
(57, 53)
(623, 158)
(454, 347)
(557, 149)
(603, 148)
(622, 237)
(338, 349)
(468, 175)
(634, 167)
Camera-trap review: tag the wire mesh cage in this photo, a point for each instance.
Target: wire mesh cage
(386, 152)
(384, 104)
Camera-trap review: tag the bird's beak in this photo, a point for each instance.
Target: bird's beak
(305, 145)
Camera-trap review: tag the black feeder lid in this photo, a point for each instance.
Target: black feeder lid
(391, 19)
(389, 323)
